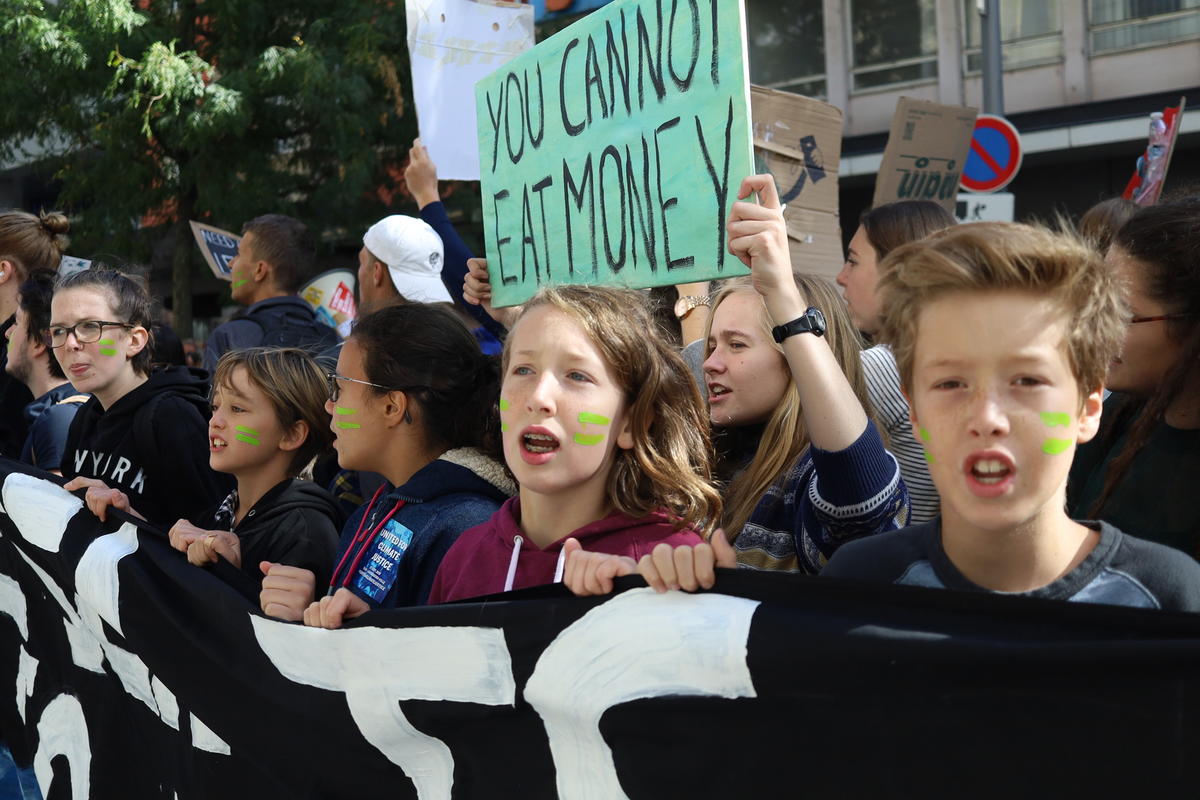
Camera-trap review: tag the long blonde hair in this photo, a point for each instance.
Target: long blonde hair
(670, 465)
(785, 437)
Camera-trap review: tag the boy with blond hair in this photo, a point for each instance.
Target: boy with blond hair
(1003, 334)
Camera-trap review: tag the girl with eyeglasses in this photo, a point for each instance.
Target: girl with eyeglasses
(414, 400)
(143, 432)
(1142, 469)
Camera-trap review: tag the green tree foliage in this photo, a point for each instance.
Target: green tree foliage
(153, 112)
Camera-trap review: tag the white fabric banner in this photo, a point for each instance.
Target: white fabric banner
(452, 44)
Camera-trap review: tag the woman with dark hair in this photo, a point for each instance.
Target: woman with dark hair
(414, 400)
(1141, 469)
(881, 230)
(28, 244)
(142, 432)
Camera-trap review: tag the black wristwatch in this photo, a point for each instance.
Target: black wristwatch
(811, 321)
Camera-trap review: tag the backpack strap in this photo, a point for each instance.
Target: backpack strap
(75, 398)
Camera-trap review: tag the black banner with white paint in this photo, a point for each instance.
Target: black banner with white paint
(130, 673)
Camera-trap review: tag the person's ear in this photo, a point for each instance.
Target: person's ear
(625, 435)
(294, 436)
(139, 338)
(396, 408)
(1089, 415)
(379, 274)
(8, 271)
(37, 346)
(261, 272)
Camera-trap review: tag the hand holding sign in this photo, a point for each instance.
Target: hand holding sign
(588, 573)
(99, 497)
(687, 567)
(286, 591)
(333, 610)
(477, 290)
(421, 175)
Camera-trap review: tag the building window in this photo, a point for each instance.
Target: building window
(787, 45)
(893, 41)
(1030, 34)
(1127, 24)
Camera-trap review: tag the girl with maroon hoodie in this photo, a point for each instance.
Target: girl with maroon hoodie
(606, 433)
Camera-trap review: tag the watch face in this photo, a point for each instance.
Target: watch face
(682, 307)
(818, 319)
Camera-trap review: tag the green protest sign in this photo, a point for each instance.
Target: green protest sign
(611, 152)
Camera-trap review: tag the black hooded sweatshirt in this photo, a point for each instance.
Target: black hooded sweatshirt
(296, 523)
(151, 444)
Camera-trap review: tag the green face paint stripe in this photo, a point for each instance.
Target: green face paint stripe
(242, 282)
(241, 437)
(348, 425)
(924, 434)
(1053, 418)
(245, 430)
(589, 439)
(587, 418)
(108, 342)
(928, 458)
(1053, 447)
(504, 404)
(344, 412)
(107, 347)
(104, 351)
(503, 427)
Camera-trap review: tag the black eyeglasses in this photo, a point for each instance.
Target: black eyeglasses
(86, 332)
(1135, 320)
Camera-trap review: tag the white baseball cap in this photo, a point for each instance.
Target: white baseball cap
(412, 251)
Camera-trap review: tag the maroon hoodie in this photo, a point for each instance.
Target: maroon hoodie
(497, 557)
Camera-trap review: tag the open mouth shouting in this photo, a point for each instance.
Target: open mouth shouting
(989, 473)
(216, 444)
(538, 445)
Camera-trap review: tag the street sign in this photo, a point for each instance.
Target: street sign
(997, 207)
(994, 157)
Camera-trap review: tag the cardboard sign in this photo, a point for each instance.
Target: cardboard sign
(331, 294)
(218, 246)
(612, 152)
(452, 44)
(926, 149)
(799, 141)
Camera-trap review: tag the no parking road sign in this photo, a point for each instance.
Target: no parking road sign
(994, 157)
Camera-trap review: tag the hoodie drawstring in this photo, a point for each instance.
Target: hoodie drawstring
(512, 564)
(558, 570)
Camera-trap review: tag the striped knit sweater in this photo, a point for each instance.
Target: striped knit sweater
(891, 411)
(825, 500)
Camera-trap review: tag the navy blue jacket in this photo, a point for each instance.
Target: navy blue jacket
(396, 566)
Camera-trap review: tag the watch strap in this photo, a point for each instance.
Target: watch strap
(811, 321)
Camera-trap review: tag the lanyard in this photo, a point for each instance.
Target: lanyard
(362, 543)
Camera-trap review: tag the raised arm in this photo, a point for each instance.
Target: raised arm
(758, 236)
